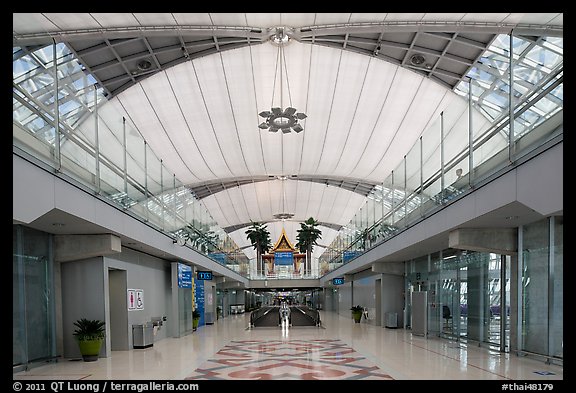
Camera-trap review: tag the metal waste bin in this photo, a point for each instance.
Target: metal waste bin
(391, 320)
(142, 336)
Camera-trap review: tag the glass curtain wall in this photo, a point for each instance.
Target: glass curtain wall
(59, 117)
(32, 297)
(542, 288)
(464, 294)
(471, 140)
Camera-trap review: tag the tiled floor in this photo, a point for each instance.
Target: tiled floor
(341, 349)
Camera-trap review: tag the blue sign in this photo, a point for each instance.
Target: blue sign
(184, 276)
(338, 281)
(204, 275)
(349, 255)
(219, 257)
(284, 258)
(199, 299)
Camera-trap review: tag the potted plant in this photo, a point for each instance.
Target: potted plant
(195, 319)
(90, 335)
(357, 313)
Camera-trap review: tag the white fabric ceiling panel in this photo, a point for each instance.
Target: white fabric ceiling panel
(263, 197)
(296, 19)
(215, 94)
(31, 23)
(155, 18)
(70, 21)
(228, 19)
(342, 109)
(236, 198)
(422, 112)
(326, 206)
(198, 19)
(114, 19)
(239, 238)
(323, 73)
(226, 205)
(479, 17)
(218, 214)
(402, 95)
(189, 165)
(142, 114)
(529, 18)
(303, 191)
(330, 18)
(328, 235)
(248, 193)
(443, 17)
(374, 96)
(184, 83)
(367, 17)
(265, 20)
(404, 17)
(239, 78)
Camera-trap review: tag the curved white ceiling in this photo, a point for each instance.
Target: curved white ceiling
(201, 117)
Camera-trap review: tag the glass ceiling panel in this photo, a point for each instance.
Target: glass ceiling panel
(533, 62)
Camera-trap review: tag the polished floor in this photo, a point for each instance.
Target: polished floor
(338, 350)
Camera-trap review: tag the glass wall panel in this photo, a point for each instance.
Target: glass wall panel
(33, 303)
(535, 254)
(557, 321)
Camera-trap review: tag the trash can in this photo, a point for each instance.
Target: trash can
(142, 336)
(391, 320)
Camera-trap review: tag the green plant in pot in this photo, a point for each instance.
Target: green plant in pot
(357, 313)
(90, 335)
(195, 319)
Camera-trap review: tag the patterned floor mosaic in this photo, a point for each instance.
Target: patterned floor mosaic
(293, 359)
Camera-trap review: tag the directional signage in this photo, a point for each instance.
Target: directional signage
(338, 281)
(204, 275)
(184, 276)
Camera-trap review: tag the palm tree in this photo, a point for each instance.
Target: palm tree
(259, 236)
(307, 238)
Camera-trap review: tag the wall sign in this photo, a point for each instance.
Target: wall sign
(135, 299)
(184, 276)
(204, 275)
(338, 281)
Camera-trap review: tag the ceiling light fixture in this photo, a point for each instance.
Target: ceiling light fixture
(283, 216)
(278, 118)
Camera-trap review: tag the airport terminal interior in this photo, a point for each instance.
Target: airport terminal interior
(288, 196)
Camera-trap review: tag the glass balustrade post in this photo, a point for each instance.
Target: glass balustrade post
(146, 194)
(161, 196)
(511, 103)
(96, 141)
(124, 163)
(393, 194)
(421, 175)
(405, 194)
(57, 153)
(442, 157)
(470, 136)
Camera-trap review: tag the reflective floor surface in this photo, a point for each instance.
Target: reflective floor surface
(339, 349)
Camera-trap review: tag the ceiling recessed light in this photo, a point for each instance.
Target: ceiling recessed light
(58, 224)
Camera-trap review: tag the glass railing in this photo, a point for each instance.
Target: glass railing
(437, 168)
(97, 147)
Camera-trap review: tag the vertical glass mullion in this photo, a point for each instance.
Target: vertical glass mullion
(161, 196)
(405, 194)
(146, 193)
(393, 194)
(442, 193)
(56, 111)
(503, 309)
(470, 136)
(125, 163)
(519, 290)
(96, 141)
(510, 103)
(550, 288)
(421, 175)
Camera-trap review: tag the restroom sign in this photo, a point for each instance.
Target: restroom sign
(135, 299)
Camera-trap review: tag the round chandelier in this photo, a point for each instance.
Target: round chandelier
(277, 118)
